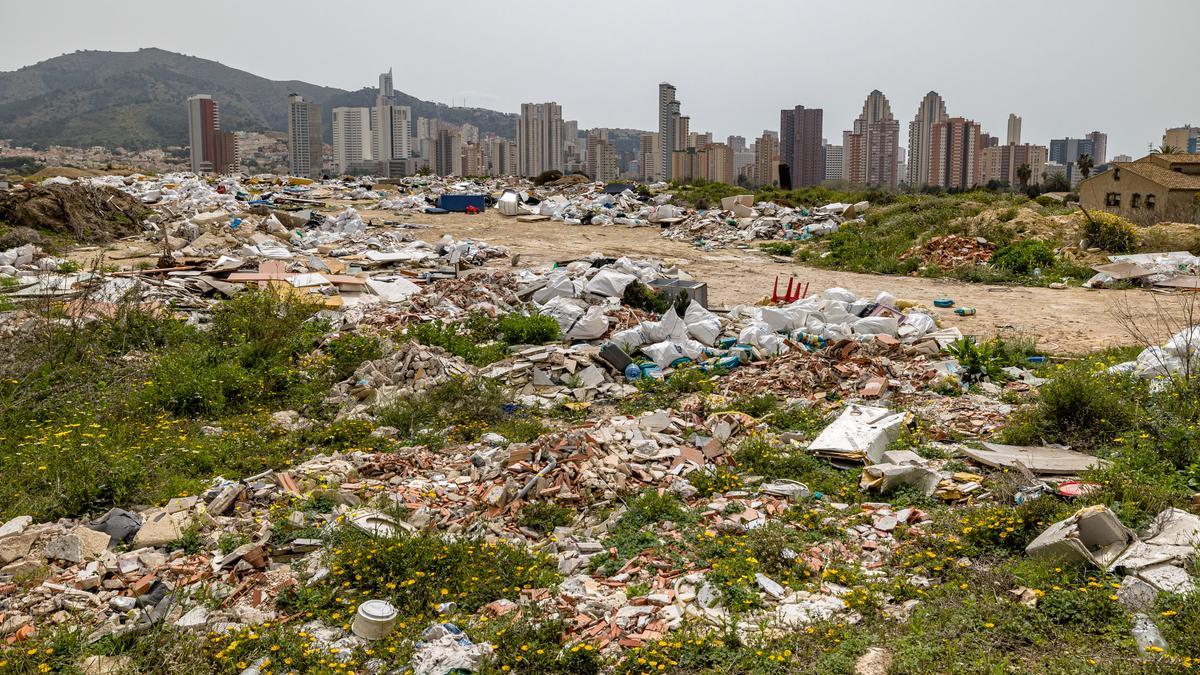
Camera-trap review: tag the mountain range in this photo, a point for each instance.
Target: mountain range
(136, 100)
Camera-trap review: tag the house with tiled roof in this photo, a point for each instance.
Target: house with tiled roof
(1154, 188)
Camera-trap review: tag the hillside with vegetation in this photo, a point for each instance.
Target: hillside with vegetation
(136, 100)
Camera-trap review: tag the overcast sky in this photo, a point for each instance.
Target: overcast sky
(1066, 66)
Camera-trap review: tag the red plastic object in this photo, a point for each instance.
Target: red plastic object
(790, 295)
(1074, 488)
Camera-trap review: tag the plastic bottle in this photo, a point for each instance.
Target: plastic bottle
(1145, 633)
(632, 371)
(965, 311)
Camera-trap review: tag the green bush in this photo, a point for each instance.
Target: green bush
(1023, 257)
(1109, 232)
(543, 517)
(1079, 408)
(457, 339)
(527, 329)
(349, 351)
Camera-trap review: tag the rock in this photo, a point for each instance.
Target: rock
(81, 544)
(16, 547)
(15, 623)
(197, 618)
(1136, 595)
(876, 661)
(158, 529)
(15, 526)
(769, 585)
(290, 420)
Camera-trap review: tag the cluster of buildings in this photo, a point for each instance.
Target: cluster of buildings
(952, 153)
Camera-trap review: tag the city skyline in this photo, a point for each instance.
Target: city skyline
(995, 81)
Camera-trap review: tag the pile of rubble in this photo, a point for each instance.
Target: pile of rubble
(406, 370)
(952, 250)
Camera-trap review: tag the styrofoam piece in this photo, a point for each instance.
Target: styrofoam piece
(1093, 534)
(860, 432)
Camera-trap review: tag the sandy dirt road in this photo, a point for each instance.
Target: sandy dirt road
(1064, 321)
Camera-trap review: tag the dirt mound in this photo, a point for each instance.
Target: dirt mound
(90, 214)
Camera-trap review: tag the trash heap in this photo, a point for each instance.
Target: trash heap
(951, 250)
(740, 220)
(409, 369)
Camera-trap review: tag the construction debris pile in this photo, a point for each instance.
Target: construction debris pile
(952, 250)
(656, 490)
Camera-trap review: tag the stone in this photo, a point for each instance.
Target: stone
(769, 585)
(15, 526)
(16, 547)
(81, 544)
(197, 618)
(15, 623)
(159, 528)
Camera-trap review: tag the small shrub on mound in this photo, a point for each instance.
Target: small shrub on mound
(1110, 232)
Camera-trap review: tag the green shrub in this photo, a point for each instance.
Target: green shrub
(527, 329)
(349, 351)
(979, 361)
(543, 517)
(1023, 257)
(784, 248)
(1079, 408)
(457, 339)
(1109, 232)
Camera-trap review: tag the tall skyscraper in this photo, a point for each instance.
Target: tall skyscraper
(212, 150)
(1014, 130)
(447, 154)
(601, 157)
(872, 146)
(931, 111)
(833, 162)
(1099, 147)
(668, 118)
(502, 156)
(352, 140)
(766, 159)
(736, 143)
(539, 138)
(393, 124)
(1066, 151)
(801, 146)
(305, 150)
(648, 156)
(954, 154)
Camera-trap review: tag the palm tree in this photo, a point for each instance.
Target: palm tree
(1023, 174)
(1165, 149)
(1055, 182)
(1084, 164)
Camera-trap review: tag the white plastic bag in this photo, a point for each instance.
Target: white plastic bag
(610, 283)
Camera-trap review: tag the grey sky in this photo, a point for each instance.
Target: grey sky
(1066, 66)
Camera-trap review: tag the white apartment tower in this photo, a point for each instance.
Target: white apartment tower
(1014, 129)
(393, 123)
(352, 140)
(539, 138)
(305, 148)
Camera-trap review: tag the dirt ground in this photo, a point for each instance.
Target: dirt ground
(1064, 321)
(1067, 321)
